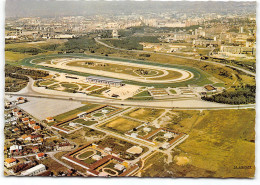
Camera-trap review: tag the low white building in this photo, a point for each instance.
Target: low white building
(108, 150)
(166, 145)
(96, 157)
(119, 167)
(82, 115)
(105, 111)
(9, 162)
(147, 129)
(167, 135)
(34, 170)
(73, 124)
(15, 148)
(134, 135)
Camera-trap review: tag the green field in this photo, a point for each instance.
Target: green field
(82, 121)
(86, 154)
(143, 93)
(46, 83)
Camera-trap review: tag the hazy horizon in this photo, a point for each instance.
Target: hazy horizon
(33, 8)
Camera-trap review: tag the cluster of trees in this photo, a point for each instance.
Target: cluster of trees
(16, 77)
(89, 63)
(143, 71)
(14, 84)
(79, 45)
(132, 43)
(50, 47)
(144, 55)
(11, 70)
(24, 166)
(242, 95)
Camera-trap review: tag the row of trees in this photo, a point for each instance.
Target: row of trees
(30, 50)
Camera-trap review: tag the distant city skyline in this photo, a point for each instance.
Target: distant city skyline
(33, 8)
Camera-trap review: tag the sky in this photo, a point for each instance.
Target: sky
(51, 8)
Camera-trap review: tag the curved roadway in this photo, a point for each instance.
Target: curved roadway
(207, 61)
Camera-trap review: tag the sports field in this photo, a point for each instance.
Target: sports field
(122, 124)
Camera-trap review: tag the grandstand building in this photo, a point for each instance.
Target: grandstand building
(104, 80)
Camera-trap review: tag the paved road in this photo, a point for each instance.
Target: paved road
(206, 61)
(64, 164)
(192, 104)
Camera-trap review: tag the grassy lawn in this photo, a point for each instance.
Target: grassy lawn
(14, 56)
(92, 88)
(46, 83)
(73, 113)
(145, 114)
(98, 114)
(54, 86)
(82, 121)
(69, 85)
(221, 140)
(182, 121)
(143, 93)
(89, 161)
(122, 124)
(85, 154)
(218, 141)
(173, 91)
(54, 166)
(83, 135)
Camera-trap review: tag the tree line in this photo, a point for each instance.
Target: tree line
(242, 95)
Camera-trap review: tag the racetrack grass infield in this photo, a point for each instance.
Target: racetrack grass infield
(119, 68)
(200, 77)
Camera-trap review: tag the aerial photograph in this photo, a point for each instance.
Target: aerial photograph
(130, 89)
